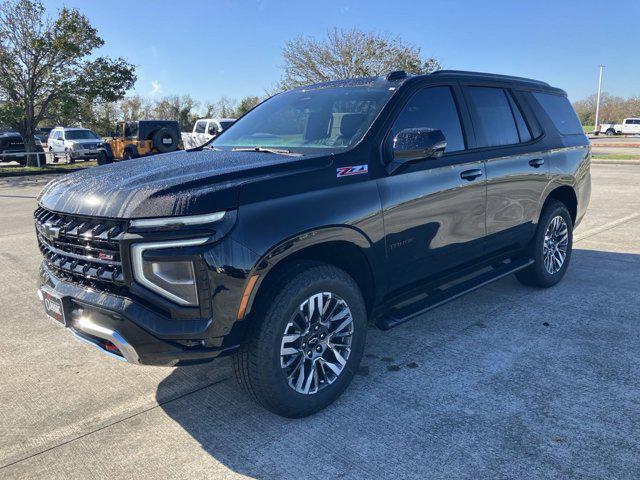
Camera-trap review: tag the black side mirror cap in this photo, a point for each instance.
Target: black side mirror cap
(412, 145)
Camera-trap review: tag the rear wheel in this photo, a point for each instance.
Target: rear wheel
(308, 342)
(550, 248)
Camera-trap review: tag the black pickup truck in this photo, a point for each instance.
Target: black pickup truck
(322, 208)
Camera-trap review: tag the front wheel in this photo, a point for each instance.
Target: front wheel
(307, 343)
(610, 132)
(550, 248)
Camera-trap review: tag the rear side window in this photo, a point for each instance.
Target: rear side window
(561, 113)
(523, 129)
(493, 117)
(435, 108)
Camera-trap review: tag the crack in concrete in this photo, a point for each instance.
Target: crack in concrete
(605, 227)
(104, 427)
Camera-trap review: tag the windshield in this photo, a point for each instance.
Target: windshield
(331, 119)
(80, 135)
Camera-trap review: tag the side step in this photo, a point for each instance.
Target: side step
(439, 296)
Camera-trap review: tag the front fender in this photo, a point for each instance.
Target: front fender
(285, 249)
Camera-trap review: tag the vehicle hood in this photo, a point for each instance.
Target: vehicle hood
(178, 183)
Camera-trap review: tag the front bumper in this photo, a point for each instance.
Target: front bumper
(111, 323)
(85, 153)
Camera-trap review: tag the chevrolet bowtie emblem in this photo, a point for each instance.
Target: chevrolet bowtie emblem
(50, 231)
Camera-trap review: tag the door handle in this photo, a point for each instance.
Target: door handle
(536, 162)
(471, 174)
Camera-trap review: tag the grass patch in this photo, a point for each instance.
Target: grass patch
(615, 156)
(51, 167)
(588, 128)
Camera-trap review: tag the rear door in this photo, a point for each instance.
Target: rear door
(517, 171)
(434, 217)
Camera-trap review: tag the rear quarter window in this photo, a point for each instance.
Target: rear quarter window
(561, 113)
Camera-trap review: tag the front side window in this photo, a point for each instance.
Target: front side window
(493, 117)
(435, 108)
(327, 119)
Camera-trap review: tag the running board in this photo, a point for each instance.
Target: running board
(397, 315)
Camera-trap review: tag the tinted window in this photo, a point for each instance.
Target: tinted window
(433, 108)
(324, 118)
(200, 126)
(561, 113)
(523, 130)
(81, 135)
(493, 117)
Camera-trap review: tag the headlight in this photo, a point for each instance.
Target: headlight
(173, 279)
(172, 222)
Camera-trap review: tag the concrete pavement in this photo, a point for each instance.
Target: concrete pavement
(507, 382)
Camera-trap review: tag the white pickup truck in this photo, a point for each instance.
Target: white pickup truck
(204, 130)
(629, 126)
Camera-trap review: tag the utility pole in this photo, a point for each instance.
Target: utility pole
(595, 127)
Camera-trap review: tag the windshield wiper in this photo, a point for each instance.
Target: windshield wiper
(279, 151)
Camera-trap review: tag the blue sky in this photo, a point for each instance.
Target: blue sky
(224, 47)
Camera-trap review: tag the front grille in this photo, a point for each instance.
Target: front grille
(84, 249)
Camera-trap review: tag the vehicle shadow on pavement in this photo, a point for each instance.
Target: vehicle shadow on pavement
(508, 381)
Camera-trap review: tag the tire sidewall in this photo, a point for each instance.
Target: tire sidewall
(546, 278)
(277, 317)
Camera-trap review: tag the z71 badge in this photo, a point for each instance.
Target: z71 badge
(353, 170)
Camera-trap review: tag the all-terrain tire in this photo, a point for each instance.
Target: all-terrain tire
(538, 274)
(257, 364)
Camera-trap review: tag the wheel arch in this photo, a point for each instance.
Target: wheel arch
(132, 148)
(343, 247)
(565, 194)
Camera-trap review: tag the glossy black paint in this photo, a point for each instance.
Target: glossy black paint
(427, 219)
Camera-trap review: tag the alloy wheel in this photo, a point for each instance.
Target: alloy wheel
(316, 343)
(556, 242)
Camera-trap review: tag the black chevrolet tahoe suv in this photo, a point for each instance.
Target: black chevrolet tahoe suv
(322, 208)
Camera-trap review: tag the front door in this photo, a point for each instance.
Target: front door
(434, 211)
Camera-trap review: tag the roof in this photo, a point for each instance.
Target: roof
(396, 78)
(216, 119)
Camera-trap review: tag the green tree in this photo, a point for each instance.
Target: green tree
(246, 104)
(348, 54)
(46, 66)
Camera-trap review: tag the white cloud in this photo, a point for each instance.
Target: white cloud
(155, 87)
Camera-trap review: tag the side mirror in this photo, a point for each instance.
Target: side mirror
(414, 144)
(213, 130)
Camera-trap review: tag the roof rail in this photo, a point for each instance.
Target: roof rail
(496, 76)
